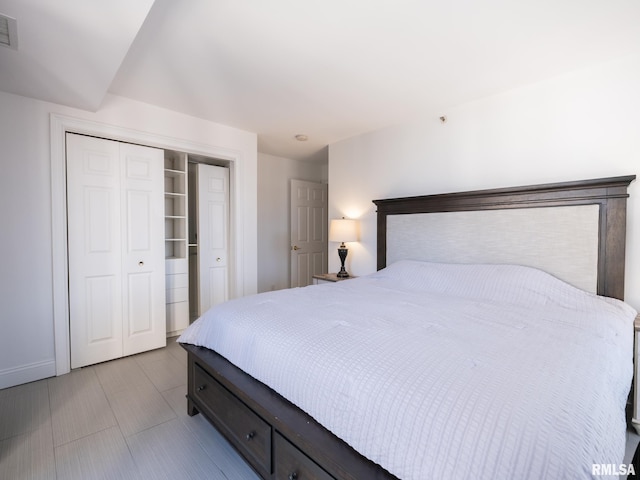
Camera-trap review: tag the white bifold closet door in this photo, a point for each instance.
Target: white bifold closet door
(115, 208)
(213, 235)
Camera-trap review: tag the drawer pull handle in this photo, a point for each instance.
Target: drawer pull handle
(293, 476)
(250, 436)
(201, 388)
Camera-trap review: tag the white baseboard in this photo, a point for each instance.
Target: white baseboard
(11, 377)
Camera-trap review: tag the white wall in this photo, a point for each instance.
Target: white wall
(26, 299)
(274, 174)
(582, 125)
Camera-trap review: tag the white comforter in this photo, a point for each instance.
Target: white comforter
(444, 371)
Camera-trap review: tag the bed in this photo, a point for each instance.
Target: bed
(575, 231)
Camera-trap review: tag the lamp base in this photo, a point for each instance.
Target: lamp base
(342, 253)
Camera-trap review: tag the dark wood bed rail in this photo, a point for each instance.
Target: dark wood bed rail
(609, 193)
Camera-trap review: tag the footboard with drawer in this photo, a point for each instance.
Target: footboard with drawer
(275, 437)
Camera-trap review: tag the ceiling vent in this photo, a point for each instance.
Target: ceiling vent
(8, 32)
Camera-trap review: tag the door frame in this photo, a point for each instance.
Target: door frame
(59, 126)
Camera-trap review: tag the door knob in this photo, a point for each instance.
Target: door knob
(141, 263)
(218, 259)
(295, 247)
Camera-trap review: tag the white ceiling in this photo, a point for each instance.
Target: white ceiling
(329, 69)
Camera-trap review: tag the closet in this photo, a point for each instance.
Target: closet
(175, 233)
(136, 258)
(196, 237)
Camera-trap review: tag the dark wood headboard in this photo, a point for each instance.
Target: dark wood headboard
(609, 193)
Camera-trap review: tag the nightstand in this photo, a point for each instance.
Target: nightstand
(328, 278)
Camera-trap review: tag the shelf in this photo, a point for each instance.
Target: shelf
(175, 216)
(175, 239)
(173, 173)
(173, 194)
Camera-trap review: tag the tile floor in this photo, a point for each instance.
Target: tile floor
(124, 419)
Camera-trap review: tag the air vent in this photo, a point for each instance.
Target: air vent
(8, 32)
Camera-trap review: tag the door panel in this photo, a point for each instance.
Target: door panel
(308, 231)
(94, 243)
(218, 285)
(102, 302)
(213, 235)
(302, 230)
(138, 166)
(216, 221)
(99, 218)
(139, 221)
(143, 265)
(317, 226)
(304, 268)
(140, 293)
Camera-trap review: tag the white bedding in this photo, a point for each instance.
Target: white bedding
(444, 371)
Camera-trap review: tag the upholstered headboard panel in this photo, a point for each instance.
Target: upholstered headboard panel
(575, 231)
(560, 240)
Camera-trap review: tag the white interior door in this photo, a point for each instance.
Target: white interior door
(115, 215)
(213, 235)
(143, 266)
(308, 231)
(95, 270)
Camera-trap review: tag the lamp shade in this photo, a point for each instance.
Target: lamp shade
(343, 230)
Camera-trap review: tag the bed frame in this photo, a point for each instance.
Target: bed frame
(278, 439)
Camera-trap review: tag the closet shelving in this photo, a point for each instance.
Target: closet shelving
(175, 240)
(175, 205)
